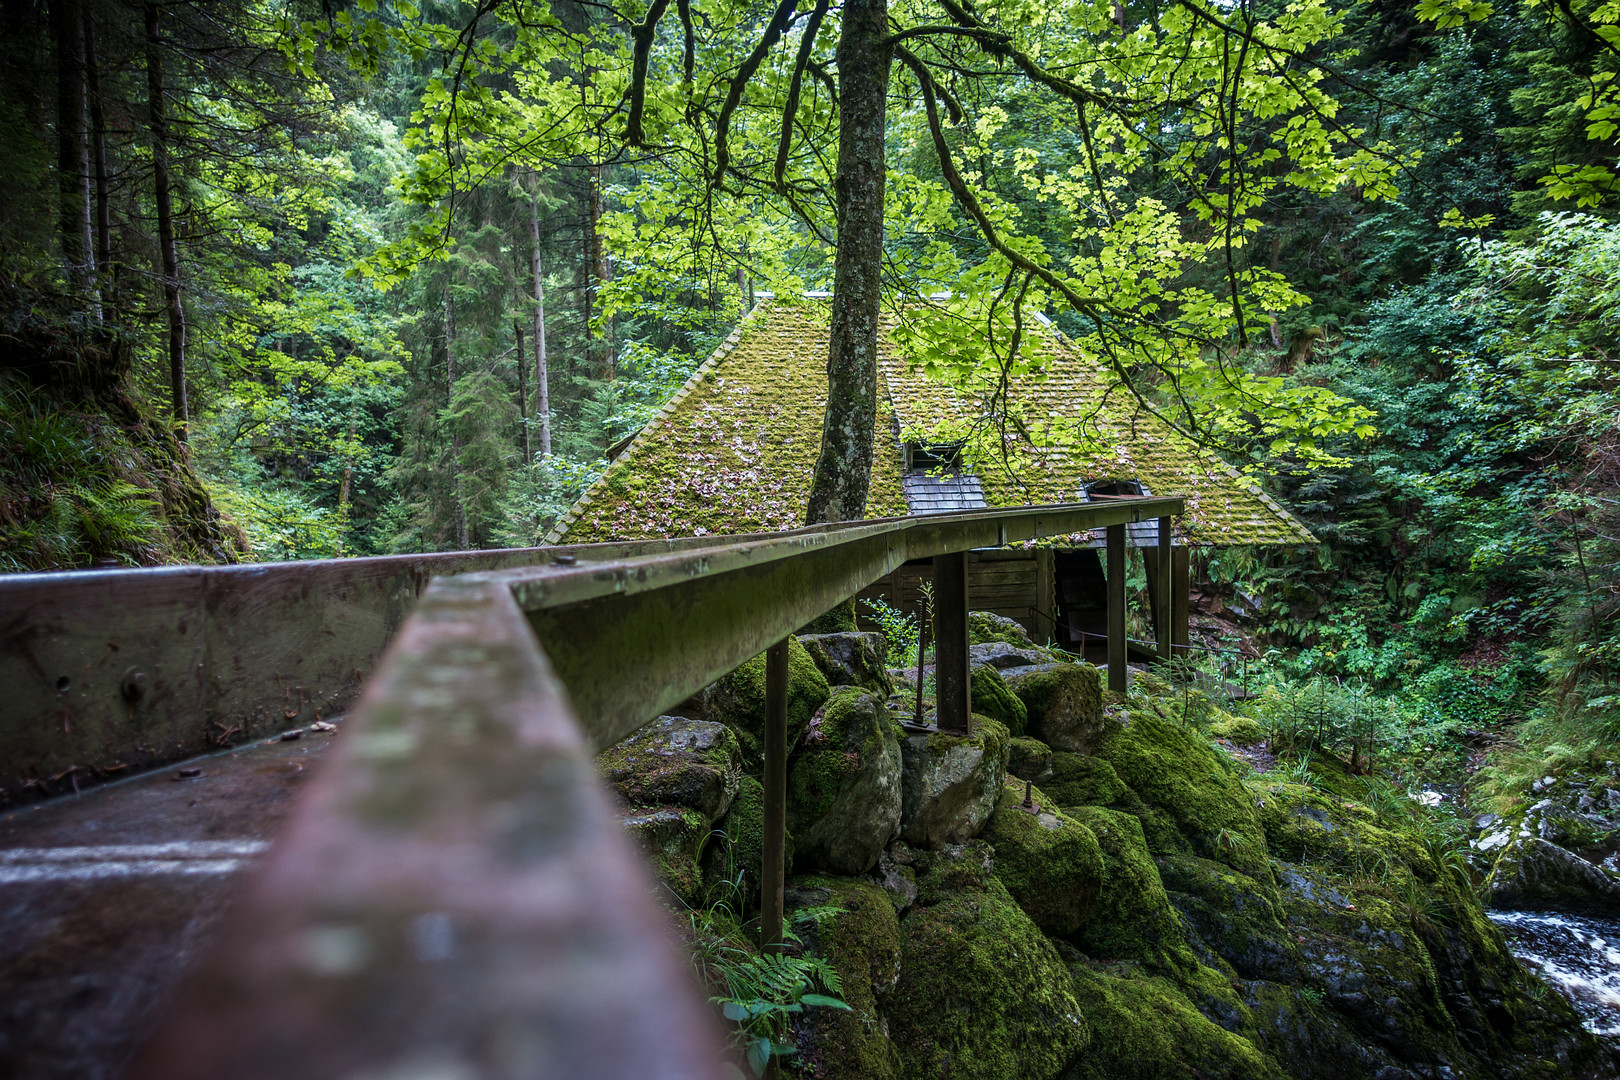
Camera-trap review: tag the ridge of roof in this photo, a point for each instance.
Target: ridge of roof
(560, 527)
(732, 450)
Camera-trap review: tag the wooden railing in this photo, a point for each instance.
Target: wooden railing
(453, 896)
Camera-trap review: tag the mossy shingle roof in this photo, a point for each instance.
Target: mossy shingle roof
(734, 450)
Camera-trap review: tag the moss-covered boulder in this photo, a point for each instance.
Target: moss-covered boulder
(1189, 796)
(986, 626)
(862, 943)
(1239, 918)
(982, 995)
(670, 836)
(844, 799)
(1241, 730)
(1145, 1028)
(992, 698)
(949, 782)
(674, 761)
(949, 869)
(1064, 705)
(851, 659)
(1134, 920)
(1533, 874)
(1005, 657)
(737, 700)
(1082, 780)
(1029, 759)
(1050, 863)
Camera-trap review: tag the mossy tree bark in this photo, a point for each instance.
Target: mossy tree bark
(844, 468)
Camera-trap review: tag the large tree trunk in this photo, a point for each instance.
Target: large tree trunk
(459, 506)
(542, 405)
(844, 468)
(72, 143)
(158, 119)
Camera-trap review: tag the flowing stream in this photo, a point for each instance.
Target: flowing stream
(1579, 956)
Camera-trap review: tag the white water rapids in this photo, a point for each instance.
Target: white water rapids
(1579, 956)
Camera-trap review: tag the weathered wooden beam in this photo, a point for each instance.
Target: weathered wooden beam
(773, 872)
(1162, 571)
(108, 672)
(1041, 620)
(953, 690)
(1116, 607)
(453, 897)
(1181, 602)
(632, 637)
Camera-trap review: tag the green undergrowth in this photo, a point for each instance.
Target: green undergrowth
(82, 484)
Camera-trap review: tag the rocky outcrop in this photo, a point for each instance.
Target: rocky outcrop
(1534, 858)
(1533, 874)
(679, 762)
(1050, 863)
(670, 836)
(950, 782)
(1064, 705)
(990, 697)
(738, 700)
(982, 994)
(1159, 911)
(851, 659)
(844, 785)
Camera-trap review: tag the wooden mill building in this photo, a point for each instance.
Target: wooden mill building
(734, 449)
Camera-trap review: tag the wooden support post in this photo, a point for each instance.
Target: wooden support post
(1116, 607)
(775, 823)
(1045, 596)
(952, 688)
(1181, 601)
(1162, 605)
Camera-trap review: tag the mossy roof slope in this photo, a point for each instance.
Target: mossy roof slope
(734, 450)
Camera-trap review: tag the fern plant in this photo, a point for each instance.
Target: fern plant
(761, 992)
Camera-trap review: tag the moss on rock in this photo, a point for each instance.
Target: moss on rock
(732, 867)
(950, 782)
(1050, 863)
(738, 699)
(1192, 799)
(992, 698)
(1080, 780)
(671, 837)
(1238, 729)
(1134, 920)
(982, 994)
(1029, 759)
(986, 626)
(862, 943)
(1064, 703)
(1144, 1028)
(676, 761)
(843, 797)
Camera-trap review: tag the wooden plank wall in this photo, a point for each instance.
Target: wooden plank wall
(1007, 583)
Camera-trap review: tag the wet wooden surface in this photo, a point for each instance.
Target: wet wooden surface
(106, 898)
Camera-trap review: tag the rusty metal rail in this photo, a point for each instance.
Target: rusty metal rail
(453, 896)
